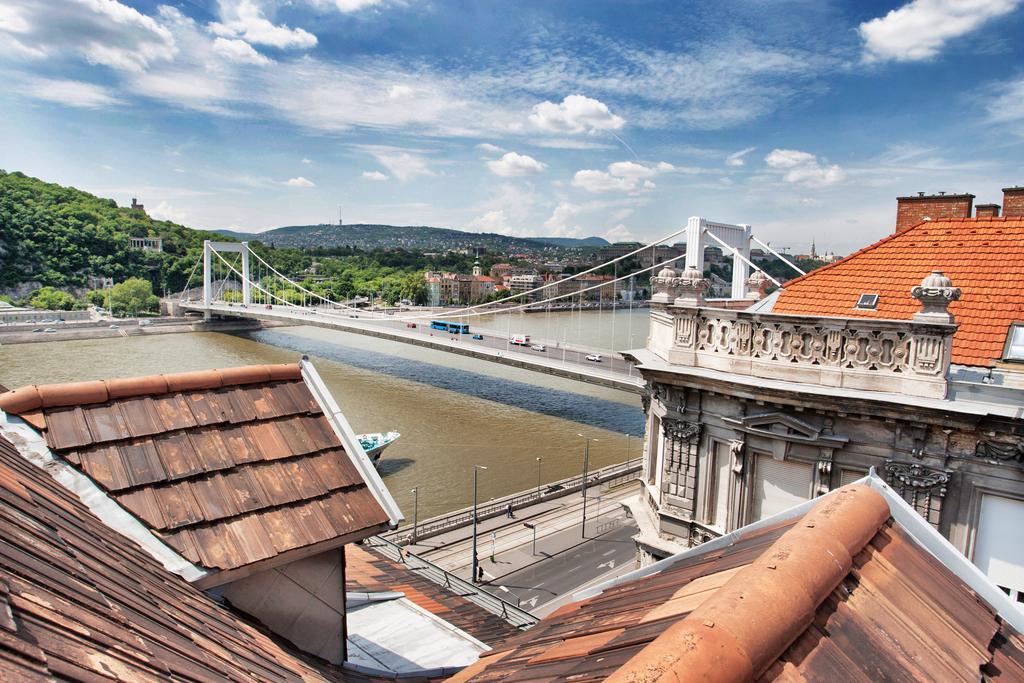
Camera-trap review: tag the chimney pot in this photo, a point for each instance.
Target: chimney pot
(920, 194)
(986, 211)
(1013, 201)
(913, 210)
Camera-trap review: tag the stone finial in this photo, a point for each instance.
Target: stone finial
(691, 288)
(757, 285)
(664, 285)
(935, 293)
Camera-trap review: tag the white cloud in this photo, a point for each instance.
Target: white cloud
(493, 221)
(736, 158)
(563, 143)
(299, 182)
(103, 32)
(804, 168)
(921, 28)
(1008, 107)
(237, 50)
(165, 212)
(244, 19)
(375, 175)
(307, 161)
(489, 148)
(576, 114)
(348, 6)
(558, 224)
(621, 176)
(70, 93)
(400, 92)
(622, 214)
(513, 164)
(403, 165)
(620, 233)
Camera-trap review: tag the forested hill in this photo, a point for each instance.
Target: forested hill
(419, 237)
(59, 236)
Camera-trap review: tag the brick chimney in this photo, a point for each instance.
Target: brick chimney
(913, 210)
(1013, 201)
(986, 211)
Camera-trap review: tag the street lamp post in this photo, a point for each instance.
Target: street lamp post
(476, 471)
(538, 478)
(415, 511)
(533, 527)
(583, 487)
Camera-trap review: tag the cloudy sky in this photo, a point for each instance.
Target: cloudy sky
(804, 118)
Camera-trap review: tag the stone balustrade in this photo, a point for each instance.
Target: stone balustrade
(907, 357)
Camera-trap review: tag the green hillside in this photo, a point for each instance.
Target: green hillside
(59, 236)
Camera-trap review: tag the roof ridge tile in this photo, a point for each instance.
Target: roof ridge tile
(35, 396)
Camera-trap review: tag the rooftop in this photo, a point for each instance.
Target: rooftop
(79, 601)
(851, 586)
(984, 257)
(231, 468)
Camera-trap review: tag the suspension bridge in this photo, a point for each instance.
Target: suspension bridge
(238, 283)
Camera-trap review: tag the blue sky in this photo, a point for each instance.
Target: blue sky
(621, 119)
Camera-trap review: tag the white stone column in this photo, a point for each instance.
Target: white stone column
(246, 293)
(207, 284)
(695, 242)
(740, 269)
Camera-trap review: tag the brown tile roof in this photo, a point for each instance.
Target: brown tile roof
(368, 572)
(842, 593)
(984, 257)
(79, 601)
(229, 467)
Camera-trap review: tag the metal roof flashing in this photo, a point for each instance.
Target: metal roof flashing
(353, 448)
(901, 512)
(31, 446)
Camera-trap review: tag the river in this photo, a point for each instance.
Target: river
(453, 412)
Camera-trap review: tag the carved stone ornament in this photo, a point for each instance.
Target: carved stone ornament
(935, 293)
(680, 429)
(758, 284)
(665, 285)
(903, 475)
(700, 535)
(1000, 451)
(691, 288)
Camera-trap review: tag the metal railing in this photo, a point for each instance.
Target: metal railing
(610, 476)
(514, 615)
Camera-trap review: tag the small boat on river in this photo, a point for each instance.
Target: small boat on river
(374, 444)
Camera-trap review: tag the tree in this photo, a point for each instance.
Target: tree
(51, 299)
(133, 296)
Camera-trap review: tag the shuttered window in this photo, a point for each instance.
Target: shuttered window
(779, 485)
(850, 476)
(722, 474)
(997, 550)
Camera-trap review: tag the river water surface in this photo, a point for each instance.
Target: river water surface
(453, 412)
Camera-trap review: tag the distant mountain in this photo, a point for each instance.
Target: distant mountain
(418, 237)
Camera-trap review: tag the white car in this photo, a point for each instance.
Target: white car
(539, 347)
(595, 357)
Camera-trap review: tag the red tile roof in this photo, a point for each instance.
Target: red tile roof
(368, 572)
(228, 467)
(984, 257)
(842, 593)
(78, 601)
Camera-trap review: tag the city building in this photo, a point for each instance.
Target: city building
(195, 525)
(154, 244)
(445, 289)
(904, 358)
(136, 206)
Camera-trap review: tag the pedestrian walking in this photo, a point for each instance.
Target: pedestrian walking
(508, 511)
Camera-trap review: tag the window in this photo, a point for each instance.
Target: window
(850, 476)
(718, 486)
(867, 301)
(997, 548)
(1015, 343)
(779, 485)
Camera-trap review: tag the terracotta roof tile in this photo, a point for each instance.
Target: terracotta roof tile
(984, 257)
(231, 467)
(839, 594)
(80, 602)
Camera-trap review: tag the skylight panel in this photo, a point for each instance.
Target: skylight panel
(867, 302)
(1015, 343)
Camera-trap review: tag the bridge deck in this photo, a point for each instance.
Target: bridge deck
(613, 371)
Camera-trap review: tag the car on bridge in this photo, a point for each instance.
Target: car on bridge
(539, 347)
(478, 337)
(594, 357)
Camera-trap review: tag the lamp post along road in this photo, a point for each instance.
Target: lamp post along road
(415, 511)
(533, 527)
(538, 478)
(476, 471)
(583, 486)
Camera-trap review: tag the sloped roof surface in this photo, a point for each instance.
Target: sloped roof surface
(984, 257)
(889, 611)
(79, 601)
(369, 572)
(228, 467)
